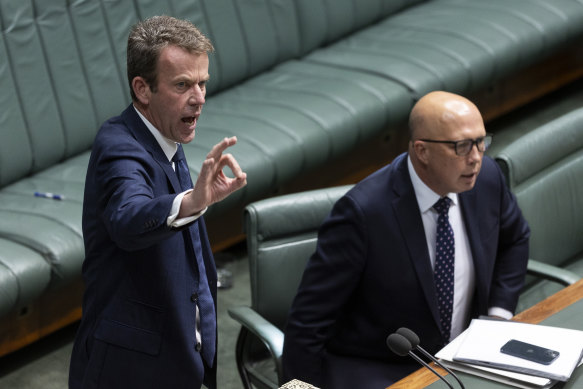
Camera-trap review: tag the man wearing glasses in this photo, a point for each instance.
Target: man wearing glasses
(427, 242)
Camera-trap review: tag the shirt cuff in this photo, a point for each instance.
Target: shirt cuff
(173, 220)
(500, 312)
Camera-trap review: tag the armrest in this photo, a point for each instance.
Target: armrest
(552, 273)
(269, 334)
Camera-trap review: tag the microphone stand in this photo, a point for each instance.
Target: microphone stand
(400, 345)
(422, 362)
(440, 365)
(414, 340)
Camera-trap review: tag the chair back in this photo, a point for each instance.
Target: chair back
(281, 237)
(544, 169)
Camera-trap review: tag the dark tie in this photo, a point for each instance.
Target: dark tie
(444, 265)
(203, 294)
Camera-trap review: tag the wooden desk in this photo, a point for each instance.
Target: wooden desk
(534, 315)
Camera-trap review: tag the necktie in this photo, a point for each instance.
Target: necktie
(444, 265)
(203, 295)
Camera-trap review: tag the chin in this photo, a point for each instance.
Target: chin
(465, 188)
(187, 139)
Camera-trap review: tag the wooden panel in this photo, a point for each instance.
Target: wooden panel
(51, 312)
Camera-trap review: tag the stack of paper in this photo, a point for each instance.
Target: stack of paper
(477, 351)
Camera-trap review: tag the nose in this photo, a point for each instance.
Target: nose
(197, 95)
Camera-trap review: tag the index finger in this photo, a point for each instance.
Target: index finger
(220, 147)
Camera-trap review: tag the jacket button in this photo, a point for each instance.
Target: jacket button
(198, 346)
(194, 298)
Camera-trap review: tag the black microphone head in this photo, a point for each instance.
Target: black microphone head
(410, 336)
(399, 344)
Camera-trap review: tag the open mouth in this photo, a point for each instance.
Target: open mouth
(189, 120)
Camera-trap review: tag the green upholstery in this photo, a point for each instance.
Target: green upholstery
(281, 236)
(544, 169)
(456, 45)
(24, 274)
(301, 83)
(324, 22)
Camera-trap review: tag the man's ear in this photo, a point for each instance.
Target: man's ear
(421, 151)
(142, 90)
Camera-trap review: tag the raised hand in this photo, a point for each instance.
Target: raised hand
(212, 185)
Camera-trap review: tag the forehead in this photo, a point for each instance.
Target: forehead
(460, 122)
(174, 61)
(467, 127)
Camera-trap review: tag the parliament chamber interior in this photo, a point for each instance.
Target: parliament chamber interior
(318, 94)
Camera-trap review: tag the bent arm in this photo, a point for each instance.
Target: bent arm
(330, 277)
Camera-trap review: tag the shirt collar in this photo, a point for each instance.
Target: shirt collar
(168, 146)
(426, 197)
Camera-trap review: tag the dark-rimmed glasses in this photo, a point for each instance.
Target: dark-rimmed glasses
(463, 147)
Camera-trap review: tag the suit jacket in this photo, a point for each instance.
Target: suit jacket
(371, 275)
(138, 325)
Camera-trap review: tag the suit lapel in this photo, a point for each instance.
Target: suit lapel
(409, 218)
(145, 137)
(469, 207)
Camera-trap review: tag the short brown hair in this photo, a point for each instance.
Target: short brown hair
(147, 39)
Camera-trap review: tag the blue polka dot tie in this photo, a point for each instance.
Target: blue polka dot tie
(204, 297)
(444, 265)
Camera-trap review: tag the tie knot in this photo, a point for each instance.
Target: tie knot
(442, 205)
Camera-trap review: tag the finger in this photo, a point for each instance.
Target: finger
(231, 162)
(220, 147)
(205, 176)
(238, 182)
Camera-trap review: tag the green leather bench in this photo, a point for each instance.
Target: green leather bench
(302, 83)
(544, 168)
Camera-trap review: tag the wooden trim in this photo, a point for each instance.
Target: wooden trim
(54, 310)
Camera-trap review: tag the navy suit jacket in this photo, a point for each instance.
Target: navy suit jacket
(371, 275)
(138, 325)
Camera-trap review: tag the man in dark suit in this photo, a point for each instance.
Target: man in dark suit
(149, 317)
(378, 265)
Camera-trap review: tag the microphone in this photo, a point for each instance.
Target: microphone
(401, 346)
(414, 340)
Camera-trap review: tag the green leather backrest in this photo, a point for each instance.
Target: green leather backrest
(281, 236)
(545, 171)
(325, 21)
(63, 71)
(62, 76)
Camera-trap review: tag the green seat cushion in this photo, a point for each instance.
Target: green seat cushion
(24, 275)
